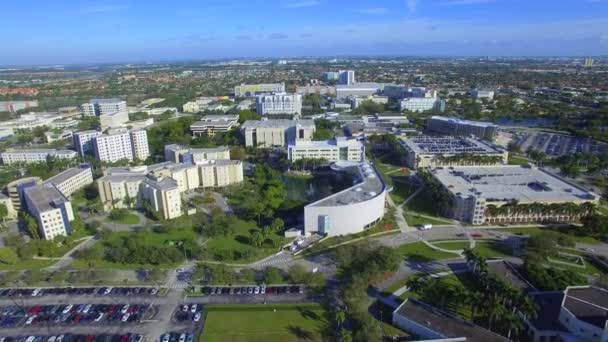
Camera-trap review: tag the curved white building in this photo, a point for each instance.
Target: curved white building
(351, 210)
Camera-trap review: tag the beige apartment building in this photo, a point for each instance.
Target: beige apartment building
(270, 133)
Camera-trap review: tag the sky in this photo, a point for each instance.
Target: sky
(50, 32)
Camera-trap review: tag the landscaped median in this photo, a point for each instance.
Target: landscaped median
(265, 323)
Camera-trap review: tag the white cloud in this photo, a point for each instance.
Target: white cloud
(302, 4)
(375, 10)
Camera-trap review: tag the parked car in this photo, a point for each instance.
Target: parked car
(197, 317)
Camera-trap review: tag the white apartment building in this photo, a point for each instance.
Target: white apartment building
(346, 77)
(83, 142)
(72, 179)
(163, 196)
(334, 150)
(185, 154)
(97, 107)
(210, 124)
(161, 184)
(245, 90)
(482, 94)
(121, 144)
(14, 106)
(51, 210)
(13, 156)
(139, 143)
(421, 104)
(454, 126)
(270, 133)
(115, 119)
(279, 103)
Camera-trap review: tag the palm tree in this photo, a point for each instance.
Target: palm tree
(512, 323)
(494, 311)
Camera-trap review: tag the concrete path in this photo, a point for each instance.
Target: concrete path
(68, 257)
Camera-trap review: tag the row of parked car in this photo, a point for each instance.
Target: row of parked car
(251, 290)
(92, 291)
(177, 337)
(189, 313)
(76, 338)
(13, 315)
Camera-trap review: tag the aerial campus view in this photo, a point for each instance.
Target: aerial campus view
(295, 170)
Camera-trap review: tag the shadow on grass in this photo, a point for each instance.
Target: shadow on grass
(300, 333)
(308, 314)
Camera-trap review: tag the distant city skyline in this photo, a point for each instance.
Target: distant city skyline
(106, 31)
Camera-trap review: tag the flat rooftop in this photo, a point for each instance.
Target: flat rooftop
(504, 183)
(443, 323)
(112, 100)
(216, 118)
(448, 145)
(503, 270)
(368, 184)
(463, 122)
(45, 197)
(588, 304)
(253, 124)
(67, 174)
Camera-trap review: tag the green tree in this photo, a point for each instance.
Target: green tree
(257, 239)
(3, 212)
(8, 256)
(272, 275)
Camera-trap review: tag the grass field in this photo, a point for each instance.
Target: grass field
(264, 323)
(237, 248)
(127, 219)
(414, 219)
(402, 189)
(23, 265)
(517, 160)
(420, 252)
(486, 249)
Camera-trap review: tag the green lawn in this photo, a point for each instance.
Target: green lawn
(517, 160)
(146, 238)
(420, 252)
(402, 189)
(422, 203)
(488, 249)
(414, 219)
(32, 264)
(570, 231)
(127, 219)
(264, 323)
(236, 248)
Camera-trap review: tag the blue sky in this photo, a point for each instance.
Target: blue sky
(73, 31)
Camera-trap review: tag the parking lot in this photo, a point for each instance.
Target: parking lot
(559, 144)
(76, 338)
(80, 291)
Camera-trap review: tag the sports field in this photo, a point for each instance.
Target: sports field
(264, 323)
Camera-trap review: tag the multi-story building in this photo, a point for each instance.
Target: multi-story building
(163, 195)
(15, 188)
(114, 119)
(97, 107)
(357, 101)
(279, 103)
(72, 179)
(331, 76)
(358, 90)
(334, 150)
(11, 213)
(579, 313)
(511, 194)
(482, 94)
(14, 106)
(245, 90)
(430, 151)
(210, 124)
(161, 184)
(185, 154)
(454, 126)
(13, 156)
(352, 210)
(83, 142)
(121, 144)
(421, 104)
(51, 210)
(270, 133)
(139, 144)
(347, 77)
(399, 92)
(316, 89)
